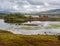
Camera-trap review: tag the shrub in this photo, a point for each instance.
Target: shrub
(59, 37)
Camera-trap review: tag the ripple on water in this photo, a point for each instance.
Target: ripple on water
(21, 29)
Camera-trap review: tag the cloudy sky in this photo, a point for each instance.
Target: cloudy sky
(29, 5)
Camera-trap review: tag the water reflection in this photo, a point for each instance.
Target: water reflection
(23, 29)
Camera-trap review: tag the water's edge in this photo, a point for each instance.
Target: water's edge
(13, 28)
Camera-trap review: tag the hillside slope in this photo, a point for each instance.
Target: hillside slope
(9, 39)
(53, 11)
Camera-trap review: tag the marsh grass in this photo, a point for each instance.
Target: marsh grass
(31, 24)
(30, 28)
(4, 31)
(28, 40)
(54, 26)
(9, 39)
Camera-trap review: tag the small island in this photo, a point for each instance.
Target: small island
(13, 18)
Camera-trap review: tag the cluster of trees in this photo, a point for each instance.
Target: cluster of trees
(15, 18)
(46, 18)
(20, 18)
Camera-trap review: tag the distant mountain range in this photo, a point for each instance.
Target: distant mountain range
(5, 11)
(53, 11)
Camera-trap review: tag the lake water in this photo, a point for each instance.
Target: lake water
(29, 30)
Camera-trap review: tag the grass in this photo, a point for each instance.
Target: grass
(9, 39)
(30, 28)
(31, 24)
(3, 32)
(53, 26)
(28, 40)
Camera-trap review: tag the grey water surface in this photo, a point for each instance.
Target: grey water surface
(16, 29)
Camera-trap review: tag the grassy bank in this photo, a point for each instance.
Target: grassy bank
(4, 32)
(25, 40)
(9, 39)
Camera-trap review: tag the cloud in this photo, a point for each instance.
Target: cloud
(29, 5)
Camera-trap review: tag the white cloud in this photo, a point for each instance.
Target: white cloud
(46, 4)
(29, 5)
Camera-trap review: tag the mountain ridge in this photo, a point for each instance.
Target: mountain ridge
(53, 11)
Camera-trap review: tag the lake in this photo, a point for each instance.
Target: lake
(42, 27)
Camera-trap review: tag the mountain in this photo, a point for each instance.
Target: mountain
(5, 11)
(53, 11)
